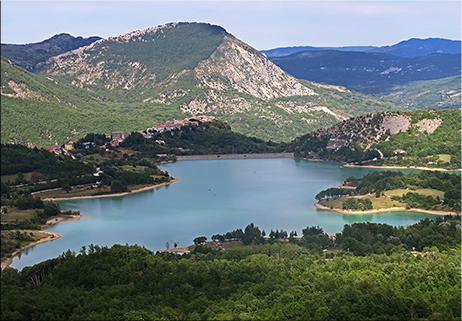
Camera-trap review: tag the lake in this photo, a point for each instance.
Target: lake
(211, 197)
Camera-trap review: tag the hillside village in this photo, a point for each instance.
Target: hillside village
(119, 136)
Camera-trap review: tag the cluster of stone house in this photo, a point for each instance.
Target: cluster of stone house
(58, 150)
(170, 125)
(117, 137)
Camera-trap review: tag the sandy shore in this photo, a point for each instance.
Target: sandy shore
(402, 167)
(147, 188)
(57, 220)
(48, 236)
(390, 209)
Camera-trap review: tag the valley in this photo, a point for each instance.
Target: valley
(166, 136)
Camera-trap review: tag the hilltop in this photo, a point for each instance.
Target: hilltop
(197, 69)
(428, 138)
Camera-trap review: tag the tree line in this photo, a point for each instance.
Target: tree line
(283, 281)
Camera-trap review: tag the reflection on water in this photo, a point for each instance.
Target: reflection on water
(211, 197)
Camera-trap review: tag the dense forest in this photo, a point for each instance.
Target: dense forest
(372, 276)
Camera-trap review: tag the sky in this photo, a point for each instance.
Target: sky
(261, 24)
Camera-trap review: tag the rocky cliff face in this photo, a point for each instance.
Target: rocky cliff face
(370, 129)
(236, 65)
(236, 77)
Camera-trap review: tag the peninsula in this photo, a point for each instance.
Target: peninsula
(431, 192)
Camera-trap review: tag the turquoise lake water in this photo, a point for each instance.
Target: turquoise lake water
(211, 197)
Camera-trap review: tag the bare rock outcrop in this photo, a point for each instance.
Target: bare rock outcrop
(235, 65)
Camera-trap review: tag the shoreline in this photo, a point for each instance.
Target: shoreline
(56, 220)
(143, 189)
(234, 156)
(6, 262)
(404, 167)
(382, 210)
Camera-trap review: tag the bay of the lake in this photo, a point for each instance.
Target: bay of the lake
(211, 197)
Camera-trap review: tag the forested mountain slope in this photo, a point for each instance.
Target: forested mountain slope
(197, 69)
(42, 111)
(438, 93)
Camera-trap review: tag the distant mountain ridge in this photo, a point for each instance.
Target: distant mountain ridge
(421, 47)
(286, 51)
(411, 48)
(370, 73)
(30, 56)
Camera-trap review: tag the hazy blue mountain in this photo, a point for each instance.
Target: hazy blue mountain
(370, 73)
(286, 51)
(421, 47)
(407, 49)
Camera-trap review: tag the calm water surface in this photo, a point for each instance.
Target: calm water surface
(211, 197)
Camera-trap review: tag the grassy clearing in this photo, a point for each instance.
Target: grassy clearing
(95, 158)
(377, 203)
(445, 158)
(12, 178)
(13, 240)
(423, 191)
(14, 214)
(60, 193)
(138, 169)
(384, 202)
